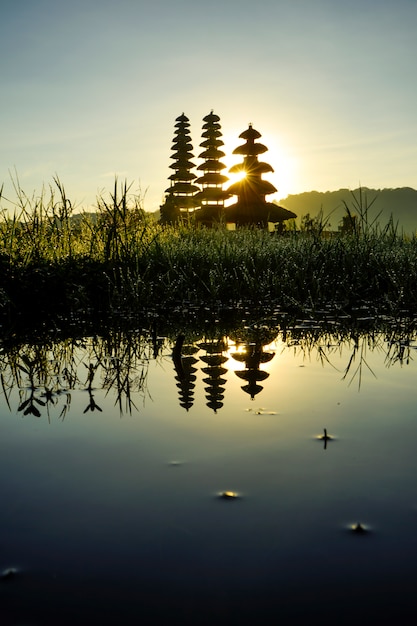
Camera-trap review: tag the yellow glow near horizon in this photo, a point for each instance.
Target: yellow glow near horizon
(284, 175)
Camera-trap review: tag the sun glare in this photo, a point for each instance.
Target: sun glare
(284, 175)
(278, 156)
(235, 178)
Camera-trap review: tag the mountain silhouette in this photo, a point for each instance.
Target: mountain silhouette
(400, 203)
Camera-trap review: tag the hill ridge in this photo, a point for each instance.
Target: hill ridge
(398, 202)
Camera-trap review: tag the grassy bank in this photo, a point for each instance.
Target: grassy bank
(118, 262)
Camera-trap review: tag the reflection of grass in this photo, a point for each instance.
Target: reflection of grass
(118, 261)
(46, 373)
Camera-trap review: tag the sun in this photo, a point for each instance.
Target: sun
(233, 178)
(236, 177)
(279, 156)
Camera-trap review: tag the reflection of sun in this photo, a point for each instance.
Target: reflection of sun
(232, 364)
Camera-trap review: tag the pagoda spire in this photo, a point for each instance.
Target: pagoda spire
(251, 207)
(180, 201)
(212, 196)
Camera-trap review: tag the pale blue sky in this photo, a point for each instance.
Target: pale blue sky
(91, 88)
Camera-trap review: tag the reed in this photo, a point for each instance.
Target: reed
(117, 260)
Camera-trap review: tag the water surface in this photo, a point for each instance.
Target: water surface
(113, 482)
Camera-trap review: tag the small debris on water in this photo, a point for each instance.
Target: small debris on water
(228, 495)
(8, 574)
(325, 437)
(359, 528)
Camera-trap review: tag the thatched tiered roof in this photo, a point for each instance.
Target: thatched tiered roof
(251, 206)
(181, 192)
(212, 195)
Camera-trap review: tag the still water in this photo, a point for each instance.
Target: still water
(260, 477)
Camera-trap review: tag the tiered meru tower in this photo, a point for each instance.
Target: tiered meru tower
(212, 196)
(180, 200)
(251, 206)
(184, 196)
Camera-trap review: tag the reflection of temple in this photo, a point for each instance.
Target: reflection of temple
(250, 343)
(214, 382)
(253, 356)
(185, 375)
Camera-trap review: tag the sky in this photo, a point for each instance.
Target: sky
(90, 90)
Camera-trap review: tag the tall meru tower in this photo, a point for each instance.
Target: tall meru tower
(212, 196)
(206, 202)
(180, 200)
(251, 207)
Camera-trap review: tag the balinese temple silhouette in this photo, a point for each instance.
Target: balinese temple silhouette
(181, 201)
(212, 196)
(251, 206)
(206, 205)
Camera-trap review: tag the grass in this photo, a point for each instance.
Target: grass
(57, 266)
